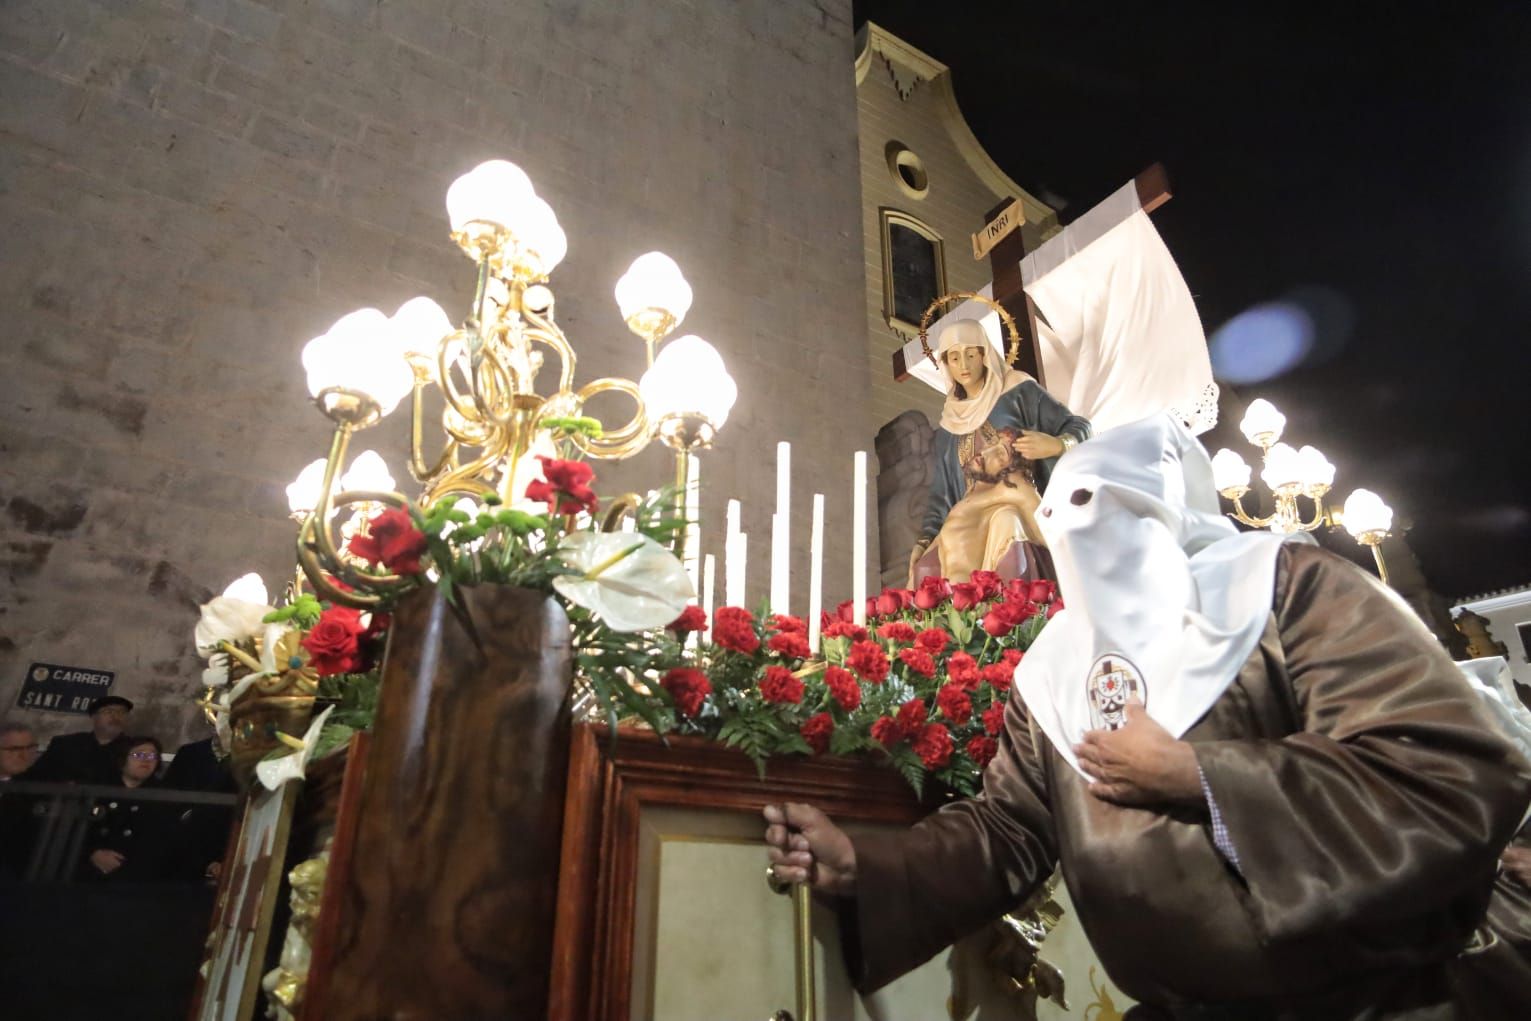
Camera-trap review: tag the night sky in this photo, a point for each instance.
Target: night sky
(1359, 180)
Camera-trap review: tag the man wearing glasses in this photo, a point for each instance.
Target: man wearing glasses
(91, 756)
(18, 751)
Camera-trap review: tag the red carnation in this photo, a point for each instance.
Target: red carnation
(391, 540)
(334, 644)
(688, 687)
(886, 732)
(932, 593)
(791, 625)
(843, 687)
(911, 717)
(994, 718)
(780, 685)
(962, 669)
(965, 596)
(816, 730)
(841, 629)
(918, 660)
(897, 631)
(789, 644)
(954, 703)
(988, 583)
(933, 640)
(934, 746)
(868, 660)
(999, 675)
(567, 486)
(1012, 656)
(1042, 591)
(733, 627)
(982, 750)
(692, 618)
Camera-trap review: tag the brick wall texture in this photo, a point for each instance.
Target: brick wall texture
(191, 189)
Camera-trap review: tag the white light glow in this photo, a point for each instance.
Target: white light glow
(354, 354)
(1262, 420)
(654, 281)
(1229, 471)
(303, 492)
(369, 473)
(1283, 467)
(492, 192)
(1365, 512)
(688, 378)
(1317, 472)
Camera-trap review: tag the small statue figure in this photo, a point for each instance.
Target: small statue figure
(999, 436)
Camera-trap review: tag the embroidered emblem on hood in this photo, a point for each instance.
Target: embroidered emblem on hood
(1113, 682)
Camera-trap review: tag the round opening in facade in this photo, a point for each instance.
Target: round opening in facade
(908, 170)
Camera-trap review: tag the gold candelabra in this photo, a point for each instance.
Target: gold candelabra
(486, 372)
(1292, 474)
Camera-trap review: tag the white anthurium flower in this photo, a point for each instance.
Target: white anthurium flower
(629, 581)
(272, 773)
(217, 673)
(226, 619)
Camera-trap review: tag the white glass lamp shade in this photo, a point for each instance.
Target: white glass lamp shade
(1365, 513)
(654, 281)
(368, 472)
(248, 588)
(1262, 423)
(688, 378)
(1283, 467)
(1229, 471)
(492, 192)
(1317, 472)
(353, 355)
(538, 233)
(418, 327)
(303, 492)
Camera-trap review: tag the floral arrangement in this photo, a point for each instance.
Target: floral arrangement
(923, 685)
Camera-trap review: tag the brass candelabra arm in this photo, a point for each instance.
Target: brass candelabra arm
(417, 466)
(1244, 516)
(1319, 514)
(615, 444)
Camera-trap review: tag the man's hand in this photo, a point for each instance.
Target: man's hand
(106, 861)
(1517, 862)
(1037, 445)
(806, 847)
(1141, 764)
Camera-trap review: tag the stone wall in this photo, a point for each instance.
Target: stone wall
(190, 189)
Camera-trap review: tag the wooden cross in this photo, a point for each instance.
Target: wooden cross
(1005, 264)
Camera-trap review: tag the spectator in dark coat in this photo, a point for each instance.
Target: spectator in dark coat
(203, 832)
(131, 840)
(89, 756)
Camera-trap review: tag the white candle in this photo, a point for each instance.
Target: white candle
(859, 540)
(816, 573)
(694, 520)
(738, 549)
(709, 572)
(732, 516)
(781, 541)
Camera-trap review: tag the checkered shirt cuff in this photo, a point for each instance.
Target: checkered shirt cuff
(1220, 838)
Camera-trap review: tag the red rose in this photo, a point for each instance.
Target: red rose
(994, 718)
(391, 540)
(918, 660)
(1042, 591)
(840, 629)
(911, 717)
(789, 644)
(997, 623)
(893, 600)
(1053, 608)
(896, 631)
(790, 625)
(868, 660)
(999, 675)
(334, 644)
(886, 732)
(962, 669)
(567, 489)
(692, 618)
(933, 640)
(934, 746)
(843, 687)
(932, 593)
(779, 685)
(965, 596)
(1013, 657)
(988, 583)
(733, 627)
(846, 612)
(982, 750)
(954, 703)
(816, 730)
(688, 687)
(1017, 590)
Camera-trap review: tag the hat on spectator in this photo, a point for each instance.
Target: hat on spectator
(109, 700)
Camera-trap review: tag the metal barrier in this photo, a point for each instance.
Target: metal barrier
(62, 815)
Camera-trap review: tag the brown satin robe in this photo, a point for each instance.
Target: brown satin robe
(1364, 791)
